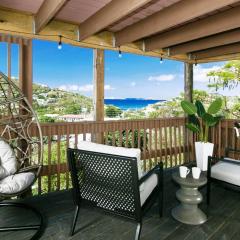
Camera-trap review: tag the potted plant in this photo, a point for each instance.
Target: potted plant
(200, 121)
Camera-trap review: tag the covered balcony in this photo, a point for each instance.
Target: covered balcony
(189, 31)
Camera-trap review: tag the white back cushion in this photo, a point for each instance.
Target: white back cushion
(231, 160)
(119, 151)
(147, 187)
(16, 183)
(8, 161)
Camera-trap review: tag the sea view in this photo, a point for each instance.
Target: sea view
(130, 103)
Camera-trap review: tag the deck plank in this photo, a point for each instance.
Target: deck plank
(223, 219)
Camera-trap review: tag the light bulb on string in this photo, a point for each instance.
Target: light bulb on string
(161, 60)
(119, 53)
(195, 63)
(60, 42)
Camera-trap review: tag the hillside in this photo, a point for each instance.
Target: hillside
(48, 100)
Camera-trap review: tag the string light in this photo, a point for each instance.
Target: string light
(61, 36)
(60, 42)
(119, 53)
(195, 62)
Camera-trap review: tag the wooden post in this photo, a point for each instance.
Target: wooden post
(98, 97)
(9, 62)
(188, 95)
(25, 68)
(188, 81)
(25, 82)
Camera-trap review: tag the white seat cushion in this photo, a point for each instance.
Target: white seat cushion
(120, 151)
(16, 183)
(227, 172)
(8, 161)
(147, 187)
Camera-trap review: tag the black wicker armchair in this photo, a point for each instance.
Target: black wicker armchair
(111, 182)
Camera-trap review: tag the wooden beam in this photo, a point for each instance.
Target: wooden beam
(20, 25)
(205, 43)
(109, 14)
(46, 12)
(98, 98)
(188, 81)
(229, 57)
(25, 68)
(171, 16)
(217, 51)
(14, 25)
(220, 22)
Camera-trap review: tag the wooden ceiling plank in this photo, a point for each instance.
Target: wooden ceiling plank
(214, 24)
(46, 12)
(20, 24)
(217, 51)
(205, 43)
(171, 16)
(108, 15)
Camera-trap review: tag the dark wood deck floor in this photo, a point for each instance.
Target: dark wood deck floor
(223, 219)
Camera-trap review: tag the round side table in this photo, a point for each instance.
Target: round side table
(189, 196)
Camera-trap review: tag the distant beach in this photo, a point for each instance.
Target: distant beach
(131, 103)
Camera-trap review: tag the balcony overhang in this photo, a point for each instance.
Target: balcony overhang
(177, 30)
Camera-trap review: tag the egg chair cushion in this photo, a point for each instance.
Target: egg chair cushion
(16, 183)
(8, 161)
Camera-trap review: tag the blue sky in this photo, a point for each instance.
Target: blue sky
(130, 76)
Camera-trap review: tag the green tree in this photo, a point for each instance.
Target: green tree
(73, 109)
(235, 110)
(227, 76)
(43, 118)
(132, 140)
(112, 111)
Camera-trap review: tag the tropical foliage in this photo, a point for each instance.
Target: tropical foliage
(207, 118)
(226, 77)
(132, 139)
(112, 111)
(48, 101)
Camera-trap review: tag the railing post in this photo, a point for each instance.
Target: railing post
(188, 95)
(98, 98)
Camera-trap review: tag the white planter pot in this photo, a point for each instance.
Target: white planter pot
(203, 150)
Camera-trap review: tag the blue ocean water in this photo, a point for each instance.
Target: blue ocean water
(130, 103)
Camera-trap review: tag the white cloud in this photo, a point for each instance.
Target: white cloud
(85, 88)
(200, 73)
(82, 88)
(108, 87)
(133, 84)
(162, 78)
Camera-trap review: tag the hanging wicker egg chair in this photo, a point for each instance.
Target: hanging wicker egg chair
(21, 150)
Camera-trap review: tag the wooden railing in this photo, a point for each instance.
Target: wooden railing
(159, 140)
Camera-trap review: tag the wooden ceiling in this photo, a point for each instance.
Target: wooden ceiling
(185, 30)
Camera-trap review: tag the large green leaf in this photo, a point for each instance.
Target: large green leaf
(193, 119)
(200, 108)
(209, 119)
(193, 127)
(215, 106)
(188, 107)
